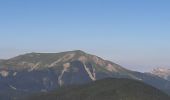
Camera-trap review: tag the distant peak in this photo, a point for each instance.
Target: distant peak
(162, 72)
(161, 69)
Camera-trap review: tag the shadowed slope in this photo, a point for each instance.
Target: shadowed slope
(106, 89)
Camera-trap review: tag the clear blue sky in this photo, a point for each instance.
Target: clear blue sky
(132, 33)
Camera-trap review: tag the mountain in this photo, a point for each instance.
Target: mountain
(43, 72)
(106, 89)
(56, 69)
(162, 72)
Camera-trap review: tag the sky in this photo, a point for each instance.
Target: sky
(132, 33)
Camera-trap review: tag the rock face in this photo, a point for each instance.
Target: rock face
(162, 72)
(35, 72)
(4, 73)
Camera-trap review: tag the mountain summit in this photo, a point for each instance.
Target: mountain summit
(52, 59)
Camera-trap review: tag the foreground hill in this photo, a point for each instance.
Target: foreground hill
(106, 89)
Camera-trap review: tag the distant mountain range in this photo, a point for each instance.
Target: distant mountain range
(44, 72)
(106, 89)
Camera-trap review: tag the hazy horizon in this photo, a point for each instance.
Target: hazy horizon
(134, 34)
